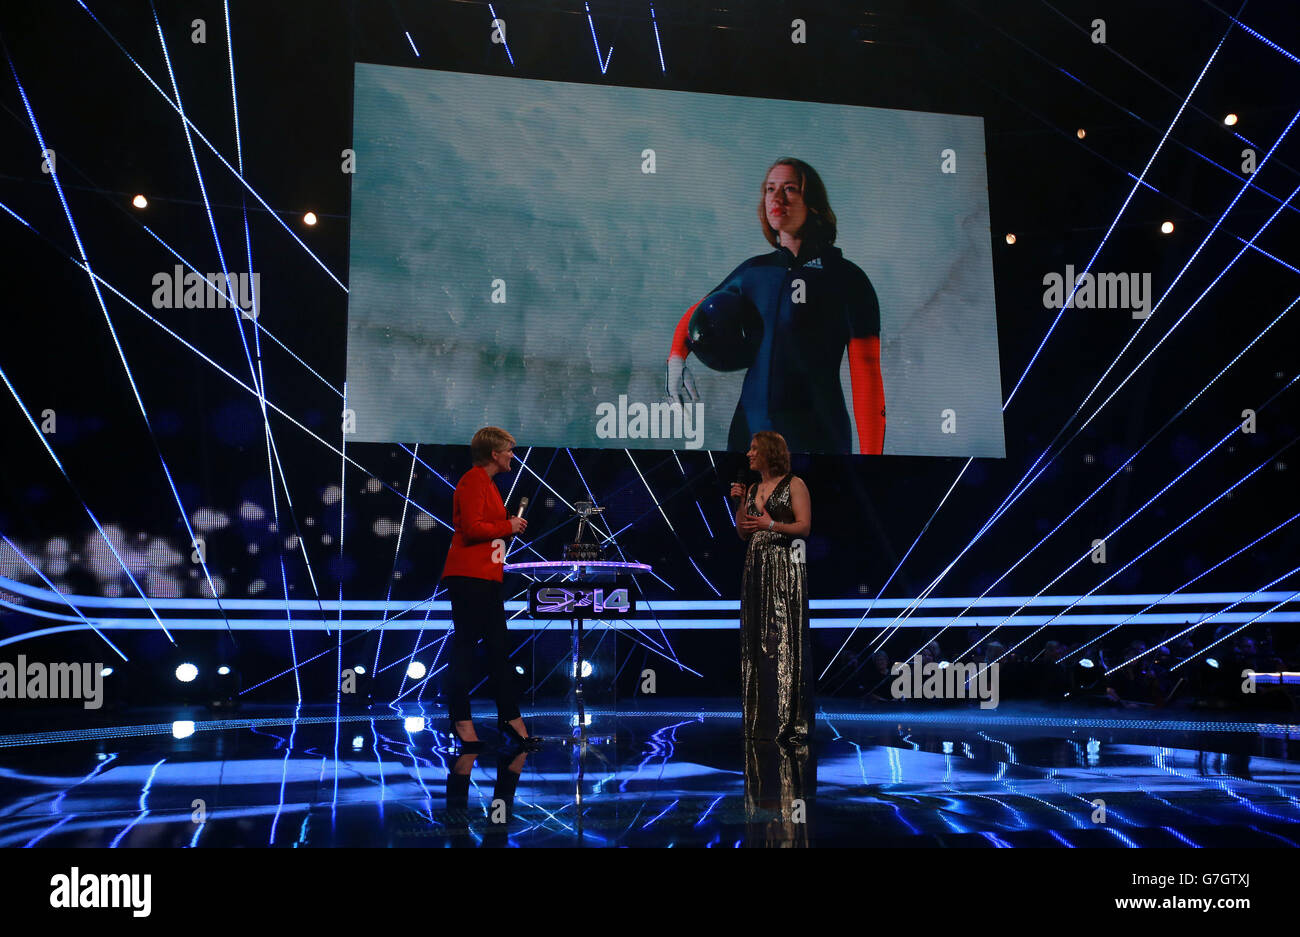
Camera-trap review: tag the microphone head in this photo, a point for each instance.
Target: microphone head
(523, 503)
(742, 470)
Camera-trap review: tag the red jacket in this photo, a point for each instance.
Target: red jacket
(478, 516)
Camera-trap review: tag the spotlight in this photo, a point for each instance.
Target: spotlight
(1086, 676)
(947, 748)
(1081, 133)
(1213, 662)
(943, 664)
(106, 672)
(182, 729)
(414, 724)
(1167, 228)
(1230, 120)
(223, 688)
(309, 218)
(519, 670)
(1011, 239)
(186, 673)
(140, 202)
(361, 671)
(415, 671)
(586, 669)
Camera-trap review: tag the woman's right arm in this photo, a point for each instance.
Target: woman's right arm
(680, 382)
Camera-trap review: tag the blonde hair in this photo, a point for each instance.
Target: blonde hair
(773, 450)
(488, 440)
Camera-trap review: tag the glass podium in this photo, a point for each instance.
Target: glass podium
(582, 666)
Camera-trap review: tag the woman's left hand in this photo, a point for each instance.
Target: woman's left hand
(750, 524)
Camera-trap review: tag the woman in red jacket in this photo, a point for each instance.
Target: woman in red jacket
(473, 576)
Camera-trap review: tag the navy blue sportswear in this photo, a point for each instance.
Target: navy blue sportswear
(793, 386)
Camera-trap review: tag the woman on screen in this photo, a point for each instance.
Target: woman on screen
(815, 305)
(776, 683)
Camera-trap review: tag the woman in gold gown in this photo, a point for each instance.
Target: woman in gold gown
(775, 516)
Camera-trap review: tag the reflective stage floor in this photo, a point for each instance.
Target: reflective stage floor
(680, 777)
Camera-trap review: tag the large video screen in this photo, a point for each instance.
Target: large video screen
(594, 266)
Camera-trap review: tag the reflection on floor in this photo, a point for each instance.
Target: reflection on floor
(681, 777)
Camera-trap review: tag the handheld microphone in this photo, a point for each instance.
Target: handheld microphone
(523, 503)
(742, 479)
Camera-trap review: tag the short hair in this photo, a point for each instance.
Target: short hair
(773, 450)
(488, 440)
(821, 219)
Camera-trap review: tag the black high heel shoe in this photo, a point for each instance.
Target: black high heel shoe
(464, 746)
(528, 743)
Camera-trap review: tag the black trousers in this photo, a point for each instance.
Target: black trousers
(478, 611)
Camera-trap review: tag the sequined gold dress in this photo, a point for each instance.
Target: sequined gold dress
(776, 682)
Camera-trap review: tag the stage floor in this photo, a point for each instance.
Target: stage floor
(681, 776)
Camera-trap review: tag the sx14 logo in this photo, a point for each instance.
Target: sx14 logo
(552, 599)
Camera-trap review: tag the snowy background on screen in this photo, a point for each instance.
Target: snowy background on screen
(465, 179)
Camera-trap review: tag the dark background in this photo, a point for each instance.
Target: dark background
(1029, 68)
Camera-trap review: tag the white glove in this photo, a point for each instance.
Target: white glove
(681, 383)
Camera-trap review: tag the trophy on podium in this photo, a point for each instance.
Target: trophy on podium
(579, 551)
(583, 586)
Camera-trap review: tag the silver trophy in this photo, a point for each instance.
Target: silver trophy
(584, 510)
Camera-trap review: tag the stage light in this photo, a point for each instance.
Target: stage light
(309, 218)
(1011, 239)
(586, 668)
(1167, 228)
(360, 671)
(519, 670)
(223, 688)
(1086, 663)
(357, 742)
(1081, 133)
(415, 671)
(943, 664)
(106, 672)
(1212, 662)
(186, 673)
(1230, 120)
(947, 748)
(182, 729)
(414, 723)
(140, 202)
